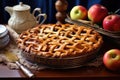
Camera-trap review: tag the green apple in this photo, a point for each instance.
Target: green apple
(78, 12)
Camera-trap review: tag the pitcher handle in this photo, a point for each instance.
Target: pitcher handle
(38, 17)
(35, 10)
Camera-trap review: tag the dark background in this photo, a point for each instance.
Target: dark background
(48, 7)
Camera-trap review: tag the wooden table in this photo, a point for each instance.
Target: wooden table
(82, 72)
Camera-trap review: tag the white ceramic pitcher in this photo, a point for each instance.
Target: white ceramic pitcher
(21, 19)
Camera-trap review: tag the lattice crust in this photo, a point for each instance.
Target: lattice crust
(65, 40)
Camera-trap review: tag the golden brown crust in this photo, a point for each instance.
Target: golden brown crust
(58, 41)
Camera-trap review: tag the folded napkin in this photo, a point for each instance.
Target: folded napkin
(9, 50)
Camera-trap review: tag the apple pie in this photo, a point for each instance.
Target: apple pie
(58, 41)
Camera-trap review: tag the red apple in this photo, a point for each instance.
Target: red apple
(111, 59)
(112, 22)
(78, 12)
(97, 13)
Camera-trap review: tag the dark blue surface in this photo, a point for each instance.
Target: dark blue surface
(48, 7)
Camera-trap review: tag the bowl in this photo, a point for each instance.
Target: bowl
(4, 37)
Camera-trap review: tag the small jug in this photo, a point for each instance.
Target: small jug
(21, 19)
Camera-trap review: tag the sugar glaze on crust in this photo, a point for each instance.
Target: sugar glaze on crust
(59, 40)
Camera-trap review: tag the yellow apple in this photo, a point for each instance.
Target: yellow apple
(78, 12)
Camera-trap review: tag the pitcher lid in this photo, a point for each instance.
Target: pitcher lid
(21, 7)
